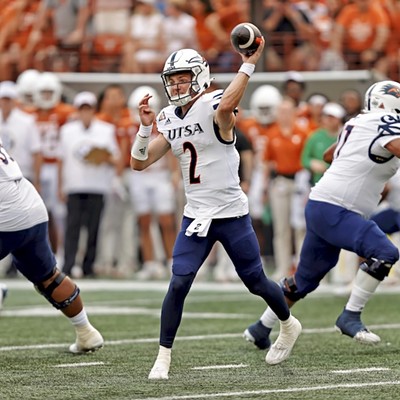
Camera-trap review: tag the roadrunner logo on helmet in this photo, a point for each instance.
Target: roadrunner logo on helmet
(383, 96)
(186, 60)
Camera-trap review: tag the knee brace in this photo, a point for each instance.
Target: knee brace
(48, 291)
(378, 269)
(289, 288)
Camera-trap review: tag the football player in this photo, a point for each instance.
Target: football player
(198, 128)
(50, 113)
(23, 234)
(365, 157)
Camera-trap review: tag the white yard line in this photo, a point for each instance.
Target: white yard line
(227, 366)
(81, 364)
(270, 391)
(356, 370)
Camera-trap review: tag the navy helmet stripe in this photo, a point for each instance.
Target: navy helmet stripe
(369, 97)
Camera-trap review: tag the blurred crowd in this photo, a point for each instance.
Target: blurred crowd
(135, 36)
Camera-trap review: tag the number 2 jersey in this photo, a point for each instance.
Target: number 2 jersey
(209, 164)
(361, 164)
(21, 207)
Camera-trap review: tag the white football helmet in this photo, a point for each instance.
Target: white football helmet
(48, 90)
(383, 96)
(26, 83)
(181, 61)
(138, 94)
(264, 102)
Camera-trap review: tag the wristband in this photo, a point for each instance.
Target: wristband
(140, 147)
(247, 68)
(145, 131)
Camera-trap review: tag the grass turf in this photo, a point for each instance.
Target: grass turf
(324, 364)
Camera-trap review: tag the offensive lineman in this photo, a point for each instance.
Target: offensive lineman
(199, 129)
(365, 157)
(24, 235)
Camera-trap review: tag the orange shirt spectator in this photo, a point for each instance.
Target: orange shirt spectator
(361, 33)
(112, 109)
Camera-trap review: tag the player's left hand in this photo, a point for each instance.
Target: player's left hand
(146, 113)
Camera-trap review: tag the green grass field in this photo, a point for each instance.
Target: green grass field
(210, 360)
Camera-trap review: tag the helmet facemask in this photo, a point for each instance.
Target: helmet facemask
(182, 61)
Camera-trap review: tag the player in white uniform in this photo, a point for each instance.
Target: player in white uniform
(24, 235)
(153, 196)
(366, 156)
(199, 129)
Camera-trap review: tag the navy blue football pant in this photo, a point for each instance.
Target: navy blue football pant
(388, 220)
(240, 242)
(331, 228)
(30, 250)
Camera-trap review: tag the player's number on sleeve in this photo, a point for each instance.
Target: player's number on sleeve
(193, 162)
(345, 134)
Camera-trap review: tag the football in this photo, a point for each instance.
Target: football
(246, 38)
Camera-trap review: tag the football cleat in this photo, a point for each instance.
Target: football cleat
(87, 341)
(259, 335)
(281, 349)
(349, 323)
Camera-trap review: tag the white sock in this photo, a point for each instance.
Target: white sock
(269, 318)
(80, 320)
(164, 354)
(364, 287)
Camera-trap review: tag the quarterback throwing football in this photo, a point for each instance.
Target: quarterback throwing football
(199, 129)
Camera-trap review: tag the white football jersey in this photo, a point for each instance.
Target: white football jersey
(21, 205)
(361, 165)
(209, 165)
(9, 169)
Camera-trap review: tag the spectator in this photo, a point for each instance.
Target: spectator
(179, 27)
(389, 64)
(361, 33)
(88, 156)
(351, 100)
(289, 31)
(154, 201)
(16, 51)
(294, 87)
(67, 19)
(110, 17)
(264, 102)
(144, 46)
(116, 231)
(283, 155)
(315, 146)
(313, 112)
(207, 42)
(227, 14)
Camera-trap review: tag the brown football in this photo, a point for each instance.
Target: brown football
(246, 38)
